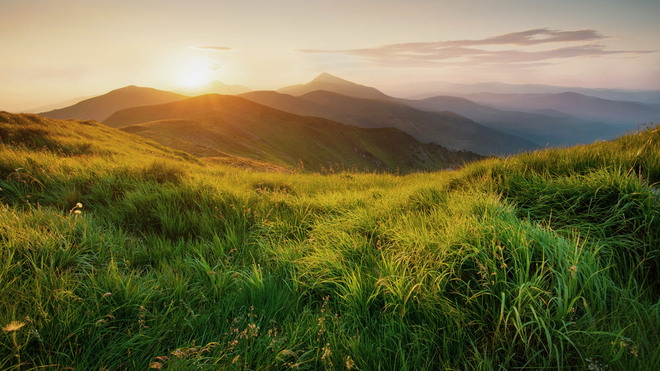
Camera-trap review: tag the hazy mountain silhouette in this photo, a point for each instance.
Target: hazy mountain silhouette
(544, 127)
(212, 125)
(553, 119)
(445, 128)
(584, 107)
(217, 87)
(328, 82)
(422, 90)
(99, 108)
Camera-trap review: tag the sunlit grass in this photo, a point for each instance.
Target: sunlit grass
(118, 253)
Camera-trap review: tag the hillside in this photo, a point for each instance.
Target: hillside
(328, 82)
(119, 253)
(542, 127)
(214, 124)
(100, 107)
(445, 128)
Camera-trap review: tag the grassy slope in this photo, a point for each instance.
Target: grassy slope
(240, 127)
(543, 260)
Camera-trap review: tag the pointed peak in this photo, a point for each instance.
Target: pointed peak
(326, 77)
(334, 84)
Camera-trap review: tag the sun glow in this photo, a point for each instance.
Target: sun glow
(193, 78)
(196, 73)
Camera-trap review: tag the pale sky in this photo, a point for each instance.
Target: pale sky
(55, 50)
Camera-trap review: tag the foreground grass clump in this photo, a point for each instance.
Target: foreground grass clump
(123, 254)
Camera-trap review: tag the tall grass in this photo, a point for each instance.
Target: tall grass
(545, 260)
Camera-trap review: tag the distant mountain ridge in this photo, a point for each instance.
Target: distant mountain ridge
(430, 89)
(445, 128)
(542, 127)
(328, 82)
(215, 125)
(99, 108)
(582, 106)
(547, 127)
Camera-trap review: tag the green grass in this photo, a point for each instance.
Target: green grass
(546, 260)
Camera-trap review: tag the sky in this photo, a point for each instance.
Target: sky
(55, 50)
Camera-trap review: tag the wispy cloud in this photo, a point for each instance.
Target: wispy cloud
(520, 48)
(533, 37)
(213, 48)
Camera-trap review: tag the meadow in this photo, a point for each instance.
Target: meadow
(119, 253)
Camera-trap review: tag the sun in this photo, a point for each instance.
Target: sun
(195, 74)
(193, 78)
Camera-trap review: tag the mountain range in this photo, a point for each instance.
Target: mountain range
(430, 89)
(578, 105)
(219, 125)
(484, 123)
(445, 128)
(547, 127)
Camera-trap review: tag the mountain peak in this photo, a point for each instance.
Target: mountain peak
(326, 77)
(331, 83)
(99, 107)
